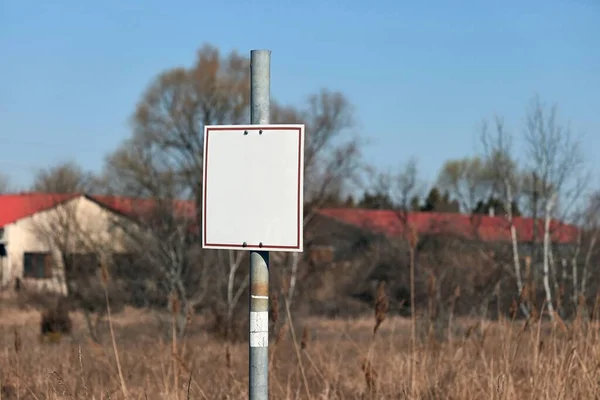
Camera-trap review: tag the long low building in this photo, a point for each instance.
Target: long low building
(38, 229)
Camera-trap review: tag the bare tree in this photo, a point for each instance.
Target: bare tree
(332, 158)
(591, 225)
(76, 253)
(66, 177)
(169, 120)
(556, 156)
(467, 180)
(166, 265)
(408, 185)
(72, 237)
(505, 181)
(398, 188)
(405, 185)
(332, 152)
(164, 157)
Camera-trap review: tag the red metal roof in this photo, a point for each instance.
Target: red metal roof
(14, 207)
(136, 206)
(481, 227)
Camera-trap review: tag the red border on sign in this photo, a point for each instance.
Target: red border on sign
(298, 205)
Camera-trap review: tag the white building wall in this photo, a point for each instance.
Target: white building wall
(77, 221)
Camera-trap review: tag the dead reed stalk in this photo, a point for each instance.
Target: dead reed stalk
(105, 281)
(413, 318)
(370, 377)
(274, 298)
(17, 347)
(453, 300)
(296, 347)
(304, 340)
(175, 309)
(381, 306)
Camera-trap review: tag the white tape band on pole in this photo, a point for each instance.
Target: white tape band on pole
(259, 329)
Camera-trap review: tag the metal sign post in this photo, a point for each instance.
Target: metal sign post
(260, 105)
(253, 201)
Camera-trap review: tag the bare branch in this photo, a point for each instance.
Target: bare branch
(5, 186)
(62, 178)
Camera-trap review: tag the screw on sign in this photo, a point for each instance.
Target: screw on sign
(253, 200)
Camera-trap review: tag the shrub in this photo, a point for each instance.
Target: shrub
(56, 320)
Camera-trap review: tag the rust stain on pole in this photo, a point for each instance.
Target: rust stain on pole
(260, 289)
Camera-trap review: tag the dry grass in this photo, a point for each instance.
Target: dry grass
(333, 359)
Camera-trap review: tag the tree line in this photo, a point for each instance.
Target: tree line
(162, 159)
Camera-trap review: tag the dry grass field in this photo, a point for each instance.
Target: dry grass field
(325, 359)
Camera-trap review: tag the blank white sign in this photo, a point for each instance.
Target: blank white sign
(252, 192)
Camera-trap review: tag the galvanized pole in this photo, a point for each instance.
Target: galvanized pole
(260, 102)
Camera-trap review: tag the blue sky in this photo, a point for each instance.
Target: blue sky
(421, 75)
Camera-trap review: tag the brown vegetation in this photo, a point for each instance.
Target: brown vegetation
(335, 359)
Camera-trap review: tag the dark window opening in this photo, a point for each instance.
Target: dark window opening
(37, 265)
(83, 264)
(124, 265)
(3, 250)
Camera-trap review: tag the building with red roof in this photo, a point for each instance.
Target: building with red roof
(345, 233)
(482, 228)
(31, 224)
(27, 220)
